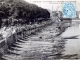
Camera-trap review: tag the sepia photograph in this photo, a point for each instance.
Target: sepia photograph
(39, 30)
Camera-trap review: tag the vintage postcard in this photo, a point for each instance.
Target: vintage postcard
(39, 29)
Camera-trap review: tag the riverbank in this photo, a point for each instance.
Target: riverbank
(20, 32)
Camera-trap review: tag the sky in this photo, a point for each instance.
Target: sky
(53, 4)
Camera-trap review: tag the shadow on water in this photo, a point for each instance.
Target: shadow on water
(1, 57)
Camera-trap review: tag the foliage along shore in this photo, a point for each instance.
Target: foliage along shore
(14, 12)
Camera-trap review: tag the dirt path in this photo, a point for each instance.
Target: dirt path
(41, 46)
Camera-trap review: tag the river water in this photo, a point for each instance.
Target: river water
(72, 46)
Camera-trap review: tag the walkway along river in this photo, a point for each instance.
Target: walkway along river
(44, 45)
